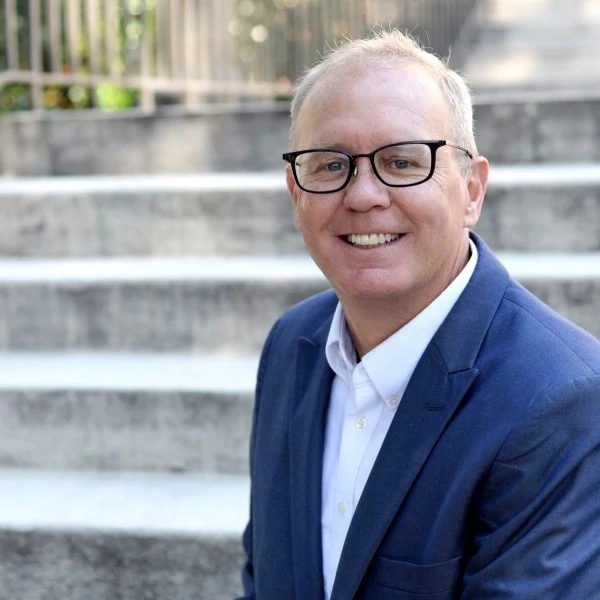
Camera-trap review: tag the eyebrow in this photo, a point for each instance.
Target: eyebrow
(339, 147)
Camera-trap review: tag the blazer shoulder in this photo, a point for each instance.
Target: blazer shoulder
(308, 316)
(551, 339)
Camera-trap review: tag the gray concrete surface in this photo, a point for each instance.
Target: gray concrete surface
(212, 304)
(536, 44)
(539, 127)
(147, 215)
(143, 412)
(170, 140)
(78, 565)
(120, 536)
(144, 315)
(520, 126)
(234, 214)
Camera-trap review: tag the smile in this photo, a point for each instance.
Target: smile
(373, 239)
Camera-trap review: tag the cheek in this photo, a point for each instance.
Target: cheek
(300, 215)
(301, 211)
(312, 215)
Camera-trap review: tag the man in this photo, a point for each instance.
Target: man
(428, 429)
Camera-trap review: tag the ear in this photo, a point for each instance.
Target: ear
(294, 191)
(477, 180)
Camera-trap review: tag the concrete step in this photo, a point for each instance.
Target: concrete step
(231, 138)
(105, 536)
(211, 304)
(534, 13)
(543, 44)
(231, 214)
(212, 137)
(550, 125)
(147, 215)
(170, 413)
(147, 305)
(533, 35)
(534, 68)
(544, 208)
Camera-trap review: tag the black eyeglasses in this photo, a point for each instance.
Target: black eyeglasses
(403, 164)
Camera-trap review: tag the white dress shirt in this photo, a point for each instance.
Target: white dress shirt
(363, 402)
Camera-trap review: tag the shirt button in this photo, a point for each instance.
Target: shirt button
(341, 507)
(361, 422)
(393, 401)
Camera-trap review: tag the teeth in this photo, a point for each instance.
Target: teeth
(373, 239)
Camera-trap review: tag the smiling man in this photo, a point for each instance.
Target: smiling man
(427, 428)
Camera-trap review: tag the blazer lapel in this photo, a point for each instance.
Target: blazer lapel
(416, 426)
(306, 436)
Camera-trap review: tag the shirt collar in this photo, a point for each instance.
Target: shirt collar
(404, 348)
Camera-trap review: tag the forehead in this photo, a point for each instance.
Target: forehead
(364, 105)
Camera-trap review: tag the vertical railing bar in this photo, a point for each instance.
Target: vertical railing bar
(220, 26)
(110, 38)
(54, 37)
(318, 16)
(12, 35)
(175, 50)
(306, 25)
(35, 54)
(258, 65)
(160, 49)
(93, 20)
(219, 29)
(73, 26)
(203, 42)
(354, 24)
(147, 95)
(270, 73)
(189, 34)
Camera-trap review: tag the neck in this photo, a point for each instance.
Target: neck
(371, 321)
(369, 324)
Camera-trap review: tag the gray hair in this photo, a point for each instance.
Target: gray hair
(388, 46)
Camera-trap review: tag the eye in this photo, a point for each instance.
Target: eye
(333, 166)
(325, 163)
(399, 163)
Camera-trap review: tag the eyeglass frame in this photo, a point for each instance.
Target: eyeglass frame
(434, 146)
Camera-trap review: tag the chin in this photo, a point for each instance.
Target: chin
(374, 291)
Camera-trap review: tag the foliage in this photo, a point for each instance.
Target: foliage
(17, 96)
(14, 96)
(114, 97)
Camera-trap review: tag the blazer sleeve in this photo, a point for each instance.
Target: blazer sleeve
(248, 566)
(538, 533)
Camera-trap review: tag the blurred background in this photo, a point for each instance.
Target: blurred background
(147, 245)
(121, 53)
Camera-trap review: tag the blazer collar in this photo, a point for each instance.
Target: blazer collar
(443, 375)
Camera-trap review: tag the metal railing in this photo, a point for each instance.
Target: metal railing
(194, 50)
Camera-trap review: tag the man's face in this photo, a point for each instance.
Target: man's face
(358, 111)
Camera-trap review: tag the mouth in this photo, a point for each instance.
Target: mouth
(372, 240)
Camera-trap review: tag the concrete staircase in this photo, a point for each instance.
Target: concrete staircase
(537, 45)
(135, 308)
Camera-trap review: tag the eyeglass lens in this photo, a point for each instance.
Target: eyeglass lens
(399, 165)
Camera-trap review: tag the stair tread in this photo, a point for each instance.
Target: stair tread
(552, 174)
(259, 269)
(223, 373)
(147, 183)
(124, 502)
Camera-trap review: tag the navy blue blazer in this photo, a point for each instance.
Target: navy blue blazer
(487, 484)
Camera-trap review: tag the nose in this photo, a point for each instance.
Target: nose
(364, 191)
